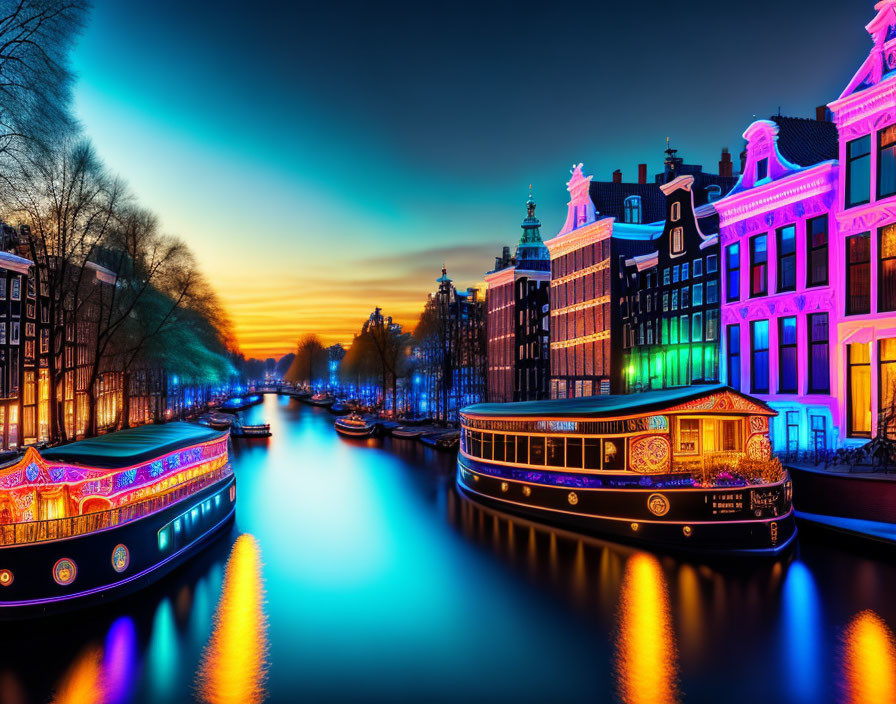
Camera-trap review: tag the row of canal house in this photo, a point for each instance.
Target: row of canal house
(27, 335)
(780, 282)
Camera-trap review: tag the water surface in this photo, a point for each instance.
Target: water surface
(355, 572)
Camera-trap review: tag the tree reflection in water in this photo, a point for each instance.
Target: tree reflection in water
(869, 661)
(234, 663)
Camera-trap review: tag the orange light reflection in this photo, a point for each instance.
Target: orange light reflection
(646, 659)
(234, 664)
(869, 661)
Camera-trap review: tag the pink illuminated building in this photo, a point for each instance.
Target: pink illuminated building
(809, 261)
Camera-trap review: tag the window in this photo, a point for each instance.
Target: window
(675, 274)
(819, 359)
(675, 299)
(759, 356)
(858, 274)
(684, 329)
(762, 169)
(712, 264)
(685, 297)
(614, 454)
(817, 251)
(792, 423)
(787, 258)
(712, 292)
(673, 331)
(698, 268)
(666, 276)
(632, 209)
(887, 350)
(677, 241)
(858, 171)
(886, 162)
(574, 452)
(697, 328)
(886, 284)
(759, 265)
(685, 268)
(732, 272)
(787, 356)
(16, 289)
(688, 436)
(858, 399)
(712, 325)
(2, 333)
(713, 193)
(665, 300)
(592, 453)
(697, 294)
(676, 212)
(14, 333)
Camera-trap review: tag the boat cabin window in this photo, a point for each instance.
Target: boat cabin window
(688, 436)
(536, 450)
(614, 454)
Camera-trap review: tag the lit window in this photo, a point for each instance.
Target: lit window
(759, 265)
(632, 209)
(886, 162)
(677, 241)
(698, 268)
(787, 356)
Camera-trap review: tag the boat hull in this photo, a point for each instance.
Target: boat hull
(689, 523)
(354, 432)
(34, 591)
(863, 506)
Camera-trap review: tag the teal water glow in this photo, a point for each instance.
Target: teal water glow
(382, 584)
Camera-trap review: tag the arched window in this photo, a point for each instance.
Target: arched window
(713, 192)
(632, 207)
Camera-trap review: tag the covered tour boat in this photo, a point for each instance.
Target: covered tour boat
(104, 516)
(687, 468)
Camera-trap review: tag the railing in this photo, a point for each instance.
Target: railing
(69, 527)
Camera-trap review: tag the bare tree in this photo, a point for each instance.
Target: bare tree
(36, 37)
(310, 363)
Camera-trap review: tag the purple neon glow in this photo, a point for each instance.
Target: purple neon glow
(120, 661)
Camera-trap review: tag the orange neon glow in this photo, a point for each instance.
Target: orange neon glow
(234, 664)
(646, 657)
(869, 661)
(82, 683)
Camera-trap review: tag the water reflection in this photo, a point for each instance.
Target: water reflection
(234, 664)
(647, 661)
(120, 661)
(801, 635)
(83, 682)
(869, 661)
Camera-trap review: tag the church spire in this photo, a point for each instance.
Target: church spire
(531, 252)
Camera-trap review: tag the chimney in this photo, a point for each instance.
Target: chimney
(617, 176)
(821, 113)
(642, 173)
(726, 168)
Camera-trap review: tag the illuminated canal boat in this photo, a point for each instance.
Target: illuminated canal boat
(108, 515)
(686, 468)
(354, 426)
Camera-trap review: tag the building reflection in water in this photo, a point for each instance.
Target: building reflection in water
(120, 661)
(869, 661)
(234, 663)
(646, 659)
(83, 682)
(802, 635)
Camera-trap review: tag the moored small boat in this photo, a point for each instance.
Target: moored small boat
(233, 405)
(354, 426)
(104, 516)
(324, 400)
(403, 431)
(261, 430)
(687, 468)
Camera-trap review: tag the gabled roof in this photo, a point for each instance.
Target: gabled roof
(608, 406)
(609, 199)
(806, 142)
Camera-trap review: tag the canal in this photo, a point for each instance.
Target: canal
(355, 572)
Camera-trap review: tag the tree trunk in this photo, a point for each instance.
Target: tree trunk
(125, 400)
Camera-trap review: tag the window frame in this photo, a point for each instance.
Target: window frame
(784, 378)
(850, 161)
(810, 248)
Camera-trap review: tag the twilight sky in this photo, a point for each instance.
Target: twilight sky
(323, 158)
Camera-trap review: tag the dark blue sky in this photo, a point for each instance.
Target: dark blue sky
(303, 147)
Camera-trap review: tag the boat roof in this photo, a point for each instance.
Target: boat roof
(607, 406)
(128, 447)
